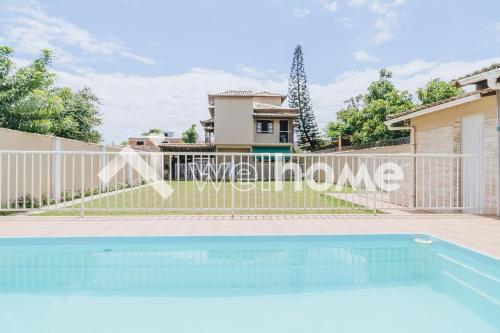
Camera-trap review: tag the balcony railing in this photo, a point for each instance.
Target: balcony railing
(284, 136)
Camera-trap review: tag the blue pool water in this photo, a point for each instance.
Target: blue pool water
(294, 284)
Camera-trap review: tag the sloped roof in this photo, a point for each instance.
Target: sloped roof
(233, 93)
(187, 147)
(444, 101)
(247, 93)
(257, 106)
(480, 71)
(206, 121)
(281, 115)
(268, 94)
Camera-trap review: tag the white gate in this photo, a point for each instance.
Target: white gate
(472, 142)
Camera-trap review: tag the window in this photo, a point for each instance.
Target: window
(265, 126)
(140, 143)
(284, 131)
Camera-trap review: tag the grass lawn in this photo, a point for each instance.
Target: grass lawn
(216, 199)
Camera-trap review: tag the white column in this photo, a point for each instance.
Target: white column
(56, 171)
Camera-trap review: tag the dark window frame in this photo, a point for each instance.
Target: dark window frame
(264, 129)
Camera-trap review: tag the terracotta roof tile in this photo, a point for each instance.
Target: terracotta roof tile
(268, 94)
(265, 106)
(186, 147)
(283, 115)
(246, 93)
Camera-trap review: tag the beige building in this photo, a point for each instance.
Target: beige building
(244, 121)
(467, 124)
(152, 142)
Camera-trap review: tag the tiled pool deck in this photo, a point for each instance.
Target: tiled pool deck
(478, 233)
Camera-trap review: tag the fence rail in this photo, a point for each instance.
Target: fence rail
(375, 144)
(245, 182)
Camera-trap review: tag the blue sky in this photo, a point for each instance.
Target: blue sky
(152, 62)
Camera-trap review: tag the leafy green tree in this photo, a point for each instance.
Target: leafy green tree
(39, 112)
(82, 107)
(15, 85)
(299, 97)
(152, 131)
(363, 118)
(190, 135)
(436, 90)
(30, 102)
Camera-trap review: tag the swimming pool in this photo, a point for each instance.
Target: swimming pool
(381, 283)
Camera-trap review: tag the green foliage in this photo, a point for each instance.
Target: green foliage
(190, 135)
(298, 97)
(40, 111)
(30, 102)
(81, 114)
(348, 120)
(152, 131)
(437, 90)
(363, 117)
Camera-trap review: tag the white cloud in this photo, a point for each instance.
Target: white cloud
(387, 14)
(331, 6)
(362, 56)
(383, 31)
(134, 103)
(358, 2)
(260, 74)
(301, 12)
(347, 22)
(29, 29)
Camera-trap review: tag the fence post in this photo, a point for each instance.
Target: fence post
(375, 189)
(82, 193)
(232, 185)
(57, 170)
(411, 182)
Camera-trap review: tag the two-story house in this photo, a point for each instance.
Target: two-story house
(244, 121)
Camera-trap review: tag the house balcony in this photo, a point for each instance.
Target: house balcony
(208, 126)
(274, 137)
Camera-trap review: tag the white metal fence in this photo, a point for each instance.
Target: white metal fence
(245, 183)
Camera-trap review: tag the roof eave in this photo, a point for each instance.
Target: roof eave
(432, 109)
(477, 78)
(277, 110)
(275, 115)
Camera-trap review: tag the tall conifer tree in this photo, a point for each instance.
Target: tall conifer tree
(298, 97)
